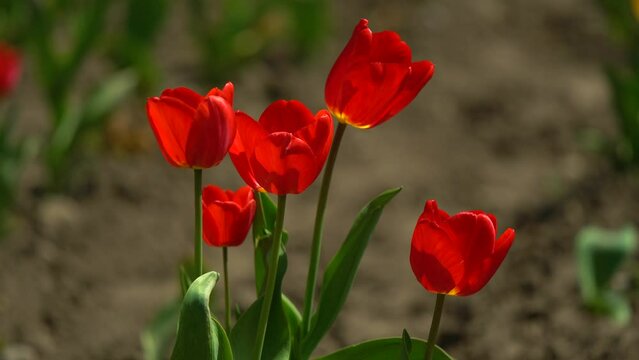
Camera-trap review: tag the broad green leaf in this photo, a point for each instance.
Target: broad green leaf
(341, 271)
(157, 336)
(600, 255)
(278, 334)
(278, 338)
(385, 349)
(197, 336)
(292, 314)
(225, 352)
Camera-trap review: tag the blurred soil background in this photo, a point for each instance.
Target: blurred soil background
(518, 86)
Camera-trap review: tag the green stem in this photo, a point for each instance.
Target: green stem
(197, 238)
(434, 326)
(272, 277)
(260, 206)
(227, 288)
(316, 246)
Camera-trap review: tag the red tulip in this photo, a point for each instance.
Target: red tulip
(193, 131)
(285, 150)
(226, 215)
(457, 255)
(374, 78)
(10, 64)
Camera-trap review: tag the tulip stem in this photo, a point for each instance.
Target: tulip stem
(316, 247)
(197, 239)
(227, 288)
(271, 279)
(434, 326)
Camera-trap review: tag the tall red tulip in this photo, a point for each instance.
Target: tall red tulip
(10, 65)
(374, 78)
(193, 131)
(457, 255)
(227, 216)
(285, 150)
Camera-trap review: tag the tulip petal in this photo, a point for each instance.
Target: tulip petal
(243, 196)
(225, 221)
(373, 78)
(388, 47)
(433, 213)
(480, 276)
(355, 51)
(171, 120)
(186, 95)
(226, 93)
(286, 116)
(368, 91)
(219, 219)
(211, 133)
(249, 134)
(437, 266)
(211, 194)
(10, 68)
(318, 135)
(492, 217)
(284, 164)
(419, 74)
(473, 236)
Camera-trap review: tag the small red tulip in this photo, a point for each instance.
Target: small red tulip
(226, 215)
(457, 255)
(193, 131)
(285, 150)
(10, 65)
(374, 78)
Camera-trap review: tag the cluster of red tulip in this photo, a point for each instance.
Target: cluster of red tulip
(282, 153)
(10, 65)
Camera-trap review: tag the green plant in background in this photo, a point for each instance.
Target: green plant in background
(232, 33)
(14, 22)
(600, 257)
(12, 149)
(623, 76)
(134, 47)
(63, 35)
(12, 156)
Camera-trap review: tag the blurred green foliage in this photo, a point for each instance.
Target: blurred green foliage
(233, 33)
(600, 256)
(134, 47)
(12, 155)
(60, 37)
(624, 79)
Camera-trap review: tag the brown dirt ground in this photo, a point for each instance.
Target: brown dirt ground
(497, 128)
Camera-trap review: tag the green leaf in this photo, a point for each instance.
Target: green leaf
(600, 255)
(188, 272)
(385, 349)
(198, 335)
(185, 280)
(341, 271)
(225, 352)
(292, 314)
(278, 343)
(157, 336)
(407, 345)
(107, 96)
